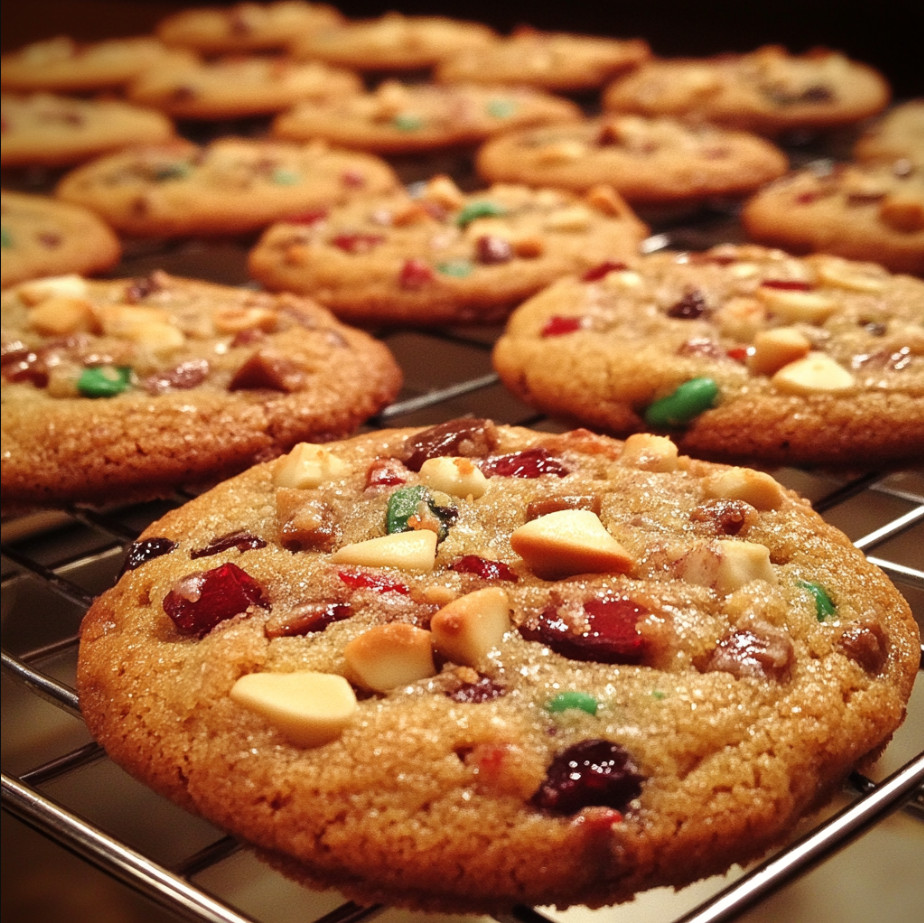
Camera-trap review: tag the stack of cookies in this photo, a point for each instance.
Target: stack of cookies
(420, 664)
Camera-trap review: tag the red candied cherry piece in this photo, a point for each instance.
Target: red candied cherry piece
(362, 581)
(356, 243)
(482, 567)
(595, 273)
(415, 273)
(201, 601)
(557, 326)
(611, 635)
(787, 285)
(530, 463)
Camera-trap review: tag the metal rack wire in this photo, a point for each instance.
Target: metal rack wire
(53, 569)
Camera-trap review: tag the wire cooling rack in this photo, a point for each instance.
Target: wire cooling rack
(58, 782)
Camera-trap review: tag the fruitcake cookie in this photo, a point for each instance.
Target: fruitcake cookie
(61, 64)
(869, 211)
(244, 26)
(402, 118)
(741, 353)
(132, 387)
(392, 41)
(896, 135)
(53, 130)
(769, 90)
(43, 237)
(230, 186)
(240, 86)
(420, 665)
(649, 160)
(442, 256)
(561, 61)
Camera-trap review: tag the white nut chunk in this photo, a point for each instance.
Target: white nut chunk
(649, 452)
(726, 565)
(816, 373)
(389, 656)
(68, 286)
(310, 708)
(460, 477)
(795, 305)
(61, 315)
(568, 542)
(469, 627)
(414, 551)
(777, 347)
(755, 487)
(308, 465)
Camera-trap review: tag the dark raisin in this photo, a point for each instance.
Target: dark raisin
(307, 619)
(469, 437)
(596, 773)
(490, 249)
(867, 644)
(691, 306)
(145, 550)
(725, 517)
(240, 539)
(764, 654)
(182, 377)
(268, 370)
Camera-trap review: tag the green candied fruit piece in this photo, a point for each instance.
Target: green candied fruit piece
(6, 238)
(824, 605)
(171, 171)
(104, 381)
(457, 268)
(405, 503)
(683, 405)
(501, 108)
(482, 209)
(408, 121)
(284, 177)
(573, 699)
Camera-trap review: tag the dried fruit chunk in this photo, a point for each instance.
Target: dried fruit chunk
(145, 550)
(414, 551)
(763, 653)
(468, 628)
(202, 600)
(309, 708)
(240, 539)
(482, 567)
(569, 542)
(530, 463)
(590, 773)
(468, 437)
(389, 656)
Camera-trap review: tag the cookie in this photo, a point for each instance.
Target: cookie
(740, 353)
(392, 42)
(420, 665)
(443, 256)
(244, 26)
(130, 388)
(558, 61)
(229, 186)
(769, 90)
(54, 130)
(649, 160)
(62, 64)
(405, 118)
(43, 237)
(896, 135)
(240, 86)
(869, 211)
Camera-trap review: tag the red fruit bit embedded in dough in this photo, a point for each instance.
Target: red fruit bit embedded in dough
(241, 539)
(201, 601)
(557, 326)
(787, 285)
(482, 567)
(357, 243)
(362, 581)
(531, 463)
(415, 273)
(595, 273)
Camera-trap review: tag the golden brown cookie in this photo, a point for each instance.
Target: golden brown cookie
(769, 90)
(229, 186)
(393, 41)
(649, 160)
(872, 211)
(898, 134)
(403, 118)
(127, 388)
(740, 353)
(240, 86)
(65, 65)
(55, 130)
(44, 237)
(420, 665)
(557, 61)
(268, 26)
(442, 256)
